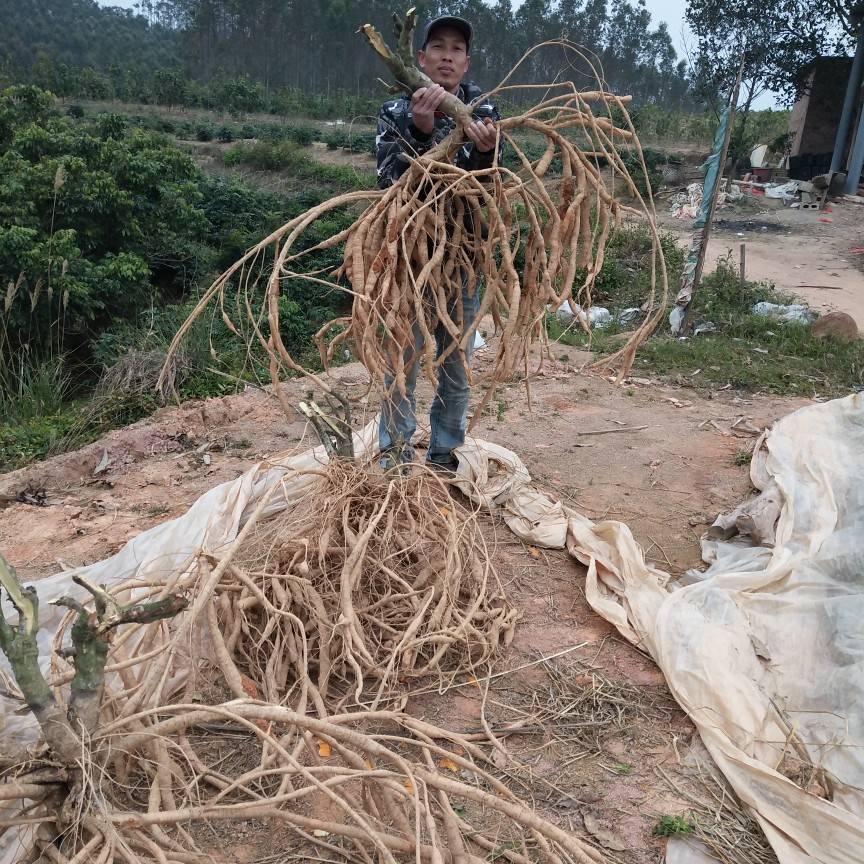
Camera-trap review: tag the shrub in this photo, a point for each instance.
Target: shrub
(353, 141)
(302, 135)
(239, 95)
(264, 155)
(90, 235)
(205, 132)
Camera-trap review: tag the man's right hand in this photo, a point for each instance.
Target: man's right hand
(424, 103)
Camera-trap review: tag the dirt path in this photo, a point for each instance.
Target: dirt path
(803, 252)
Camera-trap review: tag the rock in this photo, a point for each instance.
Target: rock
(835, 325)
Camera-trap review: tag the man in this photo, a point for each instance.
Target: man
(407, 128)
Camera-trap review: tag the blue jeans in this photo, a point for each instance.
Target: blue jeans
(449, 411)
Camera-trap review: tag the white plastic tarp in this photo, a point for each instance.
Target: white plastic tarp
(765, 654)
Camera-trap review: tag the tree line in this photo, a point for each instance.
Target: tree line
(303, 55)
(77, 48)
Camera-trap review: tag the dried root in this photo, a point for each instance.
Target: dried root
(408, 255)
(388, 575)
(270, 626)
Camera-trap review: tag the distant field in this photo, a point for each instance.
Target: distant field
(207, 114)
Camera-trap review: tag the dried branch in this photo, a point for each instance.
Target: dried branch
(401, 63)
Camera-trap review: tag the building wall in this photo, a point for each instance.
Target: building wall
(816, 115)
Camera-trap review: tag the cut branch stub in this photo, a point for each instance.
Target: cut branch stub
(333, 430)
(401, 64)
(22, 651)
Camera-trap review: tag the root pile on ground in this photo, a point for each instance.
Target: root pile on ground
(365, 579)
(389, 577)
(528, 237)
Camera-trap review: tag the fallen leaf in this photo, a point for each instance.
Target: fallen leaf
(325, 751)
(367, 764)
(499, 759)
(409, 786)
(449, 765)
(250, 688)
(444, 511)
(319, 833)
(603, 835)
(760, 648)
(533, 552)
(102, 467)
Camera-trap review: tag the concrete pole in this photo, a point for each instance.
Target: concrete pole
(856, 160)
(852, 89)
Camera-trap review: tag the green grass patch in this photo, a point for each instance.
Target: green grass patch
(288, 157)
(672, 826)
(745, 351)
(750, 352)
(29, 441)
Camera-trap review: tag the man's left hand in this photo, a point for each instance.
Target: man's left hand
(483, 134)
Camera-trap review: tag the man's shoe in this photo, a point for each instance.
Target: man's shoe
(389, 464)
(447, 469)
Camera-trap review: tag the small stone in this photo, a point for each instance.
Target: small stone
(835, 325)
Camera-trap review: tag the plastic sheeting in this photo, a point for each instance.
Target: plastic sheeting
(766, 653)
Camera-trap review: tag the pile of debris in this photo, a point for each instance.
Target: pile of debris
(800, 194)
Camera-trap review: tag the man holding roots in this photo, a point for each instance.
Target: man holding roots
(407, 128)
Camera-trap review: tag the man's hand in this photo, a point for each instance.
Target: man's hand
(483, 134)
(424, 103)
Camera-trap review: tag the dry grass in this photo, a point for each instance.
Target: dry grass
(718, 819)
(580, 707)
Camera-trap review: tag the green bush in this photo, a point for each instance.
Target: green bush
(265, 155)
(351, 140)
(32, 387)
(205, 132)
(302, 135)
(76, 112)
(624, 279)
(238, 96)
(225, 134)
(107, 230)
(23, 443)
(89, 223)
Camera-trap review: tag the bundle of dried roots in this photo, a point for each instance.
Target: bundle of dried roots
(388, 576)
(363, 579)
(527, 238)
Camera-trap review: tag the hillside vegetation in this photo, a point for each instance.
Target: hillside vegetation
(107, 232)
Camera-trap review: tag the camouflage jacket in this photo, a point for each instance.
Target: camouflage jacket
(397, 138)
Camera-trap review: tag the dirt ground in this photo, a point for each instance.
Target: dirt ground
(666, 462)
(808, 253)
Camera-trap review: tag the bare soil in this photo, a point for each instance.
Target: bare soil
(807, 253)
(665, 464)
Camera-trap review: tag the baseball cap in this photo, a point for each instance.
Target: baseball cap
(453, 21)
